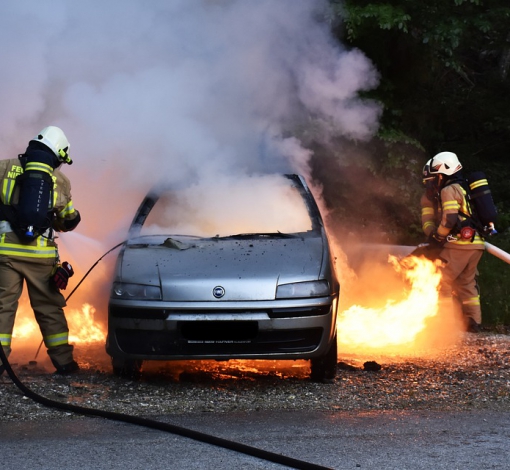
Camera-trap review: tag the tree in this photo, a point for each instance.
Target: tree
(444, 64)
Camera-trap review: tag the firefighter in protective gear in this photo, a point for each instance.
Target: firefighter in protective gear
(36, 261)
(445, 214)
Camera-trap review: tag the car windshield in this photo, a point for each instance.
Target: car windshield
(256, 205)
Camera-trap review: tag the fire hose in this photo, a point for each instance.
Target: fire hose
(497, 252)
(149, 423)
(489, 248)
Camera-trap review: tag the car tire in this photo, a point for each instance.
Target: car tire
(323, 369)
(127, 368)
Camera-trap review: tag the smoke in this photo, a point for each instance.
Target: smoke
(226, 207)
(185, 91)
(181, 89)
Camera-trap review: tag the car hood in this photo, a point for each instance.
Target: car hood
(247, 269)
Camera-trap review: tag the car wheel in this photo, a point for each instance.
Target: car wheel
(127, 368)
(323, 369)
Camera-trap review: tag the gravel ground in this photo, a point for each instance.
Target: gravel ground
(475, 374)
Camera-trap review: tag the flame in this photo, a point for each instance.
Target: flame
(24, 328)
(396, 326)
(406, 317)
(83, 328)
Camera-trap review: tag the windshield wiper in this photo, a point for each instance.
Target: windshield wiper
(257, 235)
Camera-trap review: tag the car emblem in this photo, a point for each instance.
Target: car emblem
(218, 292)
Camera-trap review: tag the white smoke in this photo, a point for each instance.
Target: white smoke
(180, 90)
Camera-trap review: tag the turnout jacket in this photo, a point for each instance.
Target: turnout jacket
(445, 214)
(66, 218)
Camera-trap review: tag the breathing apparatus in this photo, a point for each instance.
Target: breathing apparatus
(31, 216)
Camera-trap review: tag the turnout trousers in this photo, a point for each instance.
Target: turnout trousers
(459, 279)
(46, 301)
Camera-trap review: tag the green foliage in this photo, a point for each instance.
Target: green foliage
(446, 52)
(384, 15)
(393, 136)
(400, 163)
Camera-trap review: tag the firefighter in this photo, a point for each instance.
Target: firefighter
(445, 214)
(36, 260)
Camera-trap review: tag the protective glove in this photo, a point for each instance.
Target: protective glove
(436, 241)
(62, 274)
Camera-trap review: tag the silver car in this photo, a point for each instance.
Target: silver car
(204, 276)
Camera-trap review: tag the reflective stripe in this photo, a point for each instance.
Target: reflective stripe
(427, 211)
(428, 217)
(56, 340)
(7, 190)
(451, 206)
(465, 207)
(478, 183)
(5, 339)
(428, 224)
(476, 241)
(41, 251)
(472, 301)
(67, 210)
(38, 166)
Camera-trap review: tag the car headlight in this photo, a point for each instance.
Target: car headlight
(123, 290)
(303, 290)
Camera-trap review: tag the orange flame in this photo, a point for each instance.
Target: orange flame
(83, 328)
(24, 328)
(396, 326)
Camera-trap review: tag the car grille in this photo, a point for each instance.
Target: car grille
(162, 314)
(299, 312)
(217, 338)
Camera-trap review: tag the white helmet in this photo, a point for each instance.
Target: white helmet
(54, 138)
(446, 163)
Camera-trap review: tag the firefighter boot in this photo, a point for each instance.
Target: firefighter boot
(472, 326)
(67, 369)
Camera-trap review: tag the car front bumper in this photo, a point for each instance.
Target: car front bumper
(297, 329)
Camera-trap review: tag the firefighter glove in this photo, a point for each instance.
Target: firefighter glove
(436, 241)
(62, 274)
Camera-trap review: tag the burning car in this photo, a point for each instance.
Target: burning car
(210, 276)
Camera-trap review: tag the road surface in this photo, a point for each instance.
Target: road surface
(415, 440)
